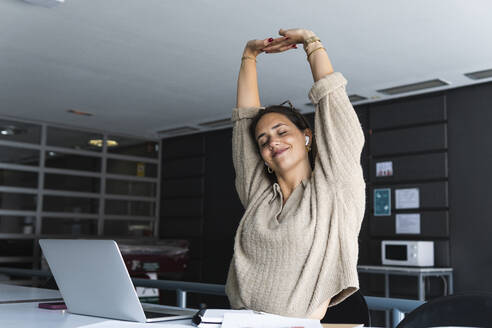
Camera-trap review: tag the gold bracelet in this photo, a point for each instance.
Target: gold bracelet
(314, 51)
(248, 57)
(310, 40)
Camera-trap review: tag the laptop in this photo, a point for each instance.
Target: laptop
(93, 280)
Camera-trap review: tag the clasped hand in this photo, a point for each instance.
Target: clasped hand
(288, 40)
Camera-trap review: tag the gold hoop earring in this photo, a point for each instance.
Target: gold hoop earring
(269, 170)
(308, 148)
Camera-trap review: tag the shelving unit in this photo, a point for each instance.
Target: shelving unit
(53, 184)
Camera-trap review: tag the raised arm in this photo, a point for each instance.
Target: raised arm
(317, 56)
(339, 136)
(248, 165)
(247, 81)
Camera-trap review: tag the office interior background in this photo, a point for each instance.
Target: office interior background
(115, 123)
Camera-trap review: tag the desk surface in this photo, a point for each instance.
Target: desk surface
(28, 315)
(19, 309)
(14, 293)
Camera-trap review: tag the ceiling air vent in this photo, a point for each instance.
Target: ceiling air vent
(413, 87)
(479, 74)
(45, 3)
(355, 98)
(226, 122)
(176, 131)
(79, 112)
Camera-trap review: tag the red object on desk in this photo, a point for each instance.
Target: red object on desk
(166, 257)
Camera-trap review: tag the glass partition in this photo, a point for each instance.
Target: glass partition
(137, 169)
(22, 156)
(74, 139)
(15, 178)
(20, 131)
(66, 182)
(133, 147)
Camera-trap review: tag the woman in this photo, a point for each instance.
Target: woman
(295, 251)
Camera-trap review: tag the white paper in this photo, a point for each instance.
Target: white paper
(217, 315)
(407, 198)
(384, 169)
(236, 320)
(408, 223)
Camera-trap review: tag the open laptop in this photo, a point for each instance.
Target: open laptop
(93, 280)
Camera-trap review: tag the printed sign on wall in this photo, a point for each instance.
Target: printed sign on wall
(384, 169)
(407, 198)
(382, 202)
(407, 223)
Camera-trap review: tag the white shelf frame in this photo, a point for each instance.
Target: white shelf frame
(102, 175)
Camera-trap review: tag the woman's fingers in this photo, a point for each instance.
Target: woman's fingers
(278, 43)
(282, 32)
(282, 48)
(274, 42)
(296, 34)
(283, 45)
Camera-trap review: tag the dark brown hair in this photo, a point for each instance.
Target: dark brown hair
(295, 117)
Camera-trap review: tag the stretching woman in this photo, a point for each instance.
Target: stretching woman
(296, 249)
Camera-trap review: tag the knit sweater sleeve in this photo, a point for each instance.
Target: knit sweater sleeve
(248, 164)
(339, 139)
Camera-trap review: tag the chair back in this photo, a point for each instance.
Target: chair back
(455, 310)
(352, 310)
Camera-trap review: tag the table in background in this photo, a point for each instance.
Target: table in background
(18, 294)
(420, 273)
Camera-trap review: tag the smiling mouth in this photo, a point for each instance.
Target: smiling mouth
(279, 152)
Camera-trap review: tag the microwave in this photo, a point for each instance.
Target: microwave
(407, 252)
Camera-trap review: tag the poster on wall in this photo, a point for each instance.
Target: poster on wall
(407, 198)
(407, 223)
(384, 169)
(382, 202)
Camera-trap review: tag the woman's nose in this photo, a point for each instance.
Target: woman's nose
(273, 142)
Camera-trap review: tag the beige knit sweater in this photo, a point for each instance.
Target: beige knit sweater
(289, 259)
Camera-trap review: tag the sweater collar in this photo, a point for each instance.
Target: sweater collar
(277, 191)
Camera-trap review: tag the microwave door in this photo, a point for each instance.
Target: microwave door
(396, 254)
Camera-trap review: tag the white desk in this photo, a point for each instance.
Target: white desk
(28, 315)
(19, 309)
(17, 294)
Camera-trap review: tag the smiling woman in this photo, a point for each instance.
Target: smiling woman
(296, 248)
(289, 128)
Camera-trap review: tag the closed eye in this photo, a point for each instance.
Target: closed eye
(280, 133)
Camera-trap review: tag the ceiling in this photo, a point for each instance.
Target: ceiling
(148, 65)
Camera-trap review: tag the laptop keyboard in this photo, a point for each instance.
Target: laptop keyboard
(153, 315)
